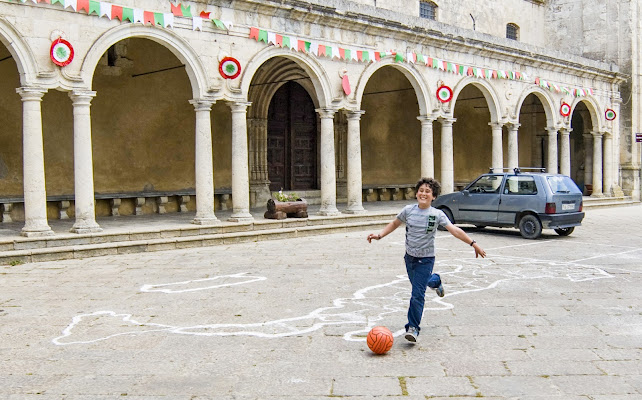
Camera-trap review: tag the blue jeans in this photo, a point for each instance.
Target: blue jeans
(420, 274)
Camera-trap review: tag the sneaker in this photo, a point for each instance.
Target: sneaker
(440, 290)
(412, 334)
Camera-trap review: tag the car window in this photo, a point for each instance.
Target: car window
(486, 184)
(520, 184)
(562, 184)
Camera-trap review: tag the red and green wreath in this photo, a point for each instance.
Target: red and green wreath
(444, 94)
(565, 110)
(229, 68)
(61, 52)
(610, 115)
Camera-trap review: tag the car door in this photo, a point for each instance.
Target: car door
(520, 193)
(479, 202)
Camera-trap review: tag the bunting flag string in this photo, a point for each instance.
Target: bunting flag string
(362, 55)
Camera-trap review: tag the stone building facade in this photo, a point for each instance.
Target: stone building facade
(200, 106)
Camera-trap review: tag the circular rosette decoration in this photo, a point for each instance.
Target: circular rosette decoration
(229, 68)
(565, 110)
(61, 52)
(610, 115)
(444, 94)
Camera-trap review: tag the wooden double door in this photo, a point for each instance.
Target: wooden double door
(292, 139)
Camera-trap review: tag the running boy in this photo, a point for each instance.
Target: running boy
(421, 227)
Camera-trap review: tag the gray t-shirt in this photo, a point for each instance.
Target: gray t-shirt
(421, 228)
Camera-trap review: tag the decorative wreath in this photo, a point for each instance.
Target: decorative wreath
(565, 110)
(444, 94)
(229, 68)
(610, 115)
(61, 52)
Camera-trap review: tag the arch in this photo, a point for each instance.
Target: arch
(20, 51)
(597, 116)
(177, 45)
(487, 90)
(315, 71)
(413, 76)
(544, 97)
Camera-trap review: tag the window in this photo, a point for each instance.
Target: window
(486, 184)
(512, 31)
(520, 184)
(427, 9)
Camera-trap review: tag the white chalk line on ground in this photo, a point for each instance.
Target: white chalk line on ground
(366, 308)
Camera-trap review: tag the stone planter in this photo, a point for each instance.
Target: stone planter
(283, 209)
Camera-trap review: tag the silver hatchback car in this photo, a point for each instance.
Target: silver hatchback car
(528, 201)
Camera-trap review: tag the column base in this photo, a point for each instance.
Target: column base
(329, 212)
(37, 233)
(241, 217)
(206, 221)
(86, 228)
(354, 210)
(597, 195)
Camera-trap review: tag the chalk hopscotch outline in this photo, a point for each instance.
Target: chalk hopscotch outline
(468, 276)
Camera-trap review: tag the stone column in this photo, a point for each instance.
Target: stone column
(588, 159)
(597, 164)
(565, 151)
(328, 161)
(607, 177)
(33, 160)
(551, 164)
(427, 150)
(497, 146)
(354, 181)
(204, 165)
(259, 183)
(447, 161)
(240, 171)
(83, 164)
(513, 146)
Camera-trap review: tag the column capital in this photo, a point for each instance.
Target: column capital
(80, 97)
(596, 134)
(31, 93)
(496, 125)
(202, 104)
(239, 106)
(552, 131)
(447, 121)
(326, 113)
(566, 131)
(513, 126)
(425, 119)
(354, 114)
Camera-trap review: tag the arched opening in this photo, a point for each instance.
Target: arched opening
(292, 139)
(390, 131)
(283, 130)
(472, 135)
(582, 148)
(533, 137)
(143, 127)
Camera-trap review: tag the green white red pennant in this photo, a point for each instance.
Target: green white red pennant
(610, 115)
(61, 52)
(229, 68)
(565, 110)
(444, 94)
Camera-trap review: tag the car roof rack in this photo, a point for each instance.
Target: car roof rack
(517, 170)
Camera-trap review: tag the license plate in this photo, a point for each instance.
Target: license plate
(568, 206)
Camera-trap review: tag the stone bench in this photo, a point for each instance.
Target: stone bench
(388, 192)
(161, 200)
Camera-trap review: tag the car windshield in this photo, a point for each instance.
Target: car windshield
(562, 184)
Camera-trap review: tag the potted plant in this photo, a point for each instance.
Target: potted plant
(283, 205)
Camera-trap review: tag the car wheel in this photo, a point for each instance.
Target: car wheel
(530, 227)
(565, 231)
(449, 215)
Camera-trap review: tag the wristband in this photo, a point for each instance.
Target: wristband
(473, 242)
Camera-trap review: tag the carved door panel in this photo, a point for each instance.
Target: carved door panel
(292, 140)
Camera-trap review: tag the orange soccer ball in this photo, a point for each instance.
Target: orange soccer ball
(380, 340)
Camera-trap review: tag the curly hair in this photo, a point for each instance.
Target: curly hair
(433, 184)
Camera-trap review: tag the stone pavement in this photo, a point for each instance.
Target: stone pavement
(554, 318)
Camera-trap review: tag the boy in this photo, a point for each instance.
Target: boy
(421, 227)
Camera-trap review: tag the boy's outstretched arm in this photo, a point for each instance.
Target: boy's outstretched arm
(385, 231)
(461, 235)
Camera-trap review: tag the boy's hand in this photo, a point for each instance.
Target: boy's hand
(479, 251)
(373, 236)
